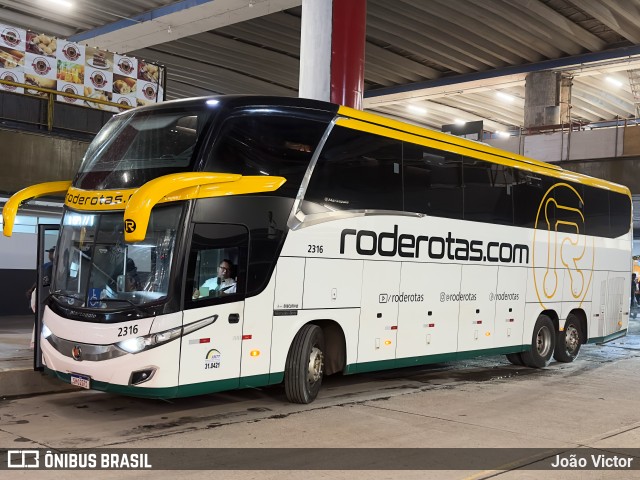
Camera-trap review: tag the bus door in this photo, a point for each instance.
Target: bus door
(47, 240)
(215, 288)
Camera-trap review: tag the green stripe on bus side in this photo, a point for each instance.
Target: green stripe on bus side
(182, 390)
(427, 359)
(608, 338)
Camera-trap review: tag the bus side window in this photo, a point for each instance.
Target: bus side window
(267, 145)
(487, 192)
(357, 171)
(620, 208)
(432, 181)
(529, 189)
(596, 211)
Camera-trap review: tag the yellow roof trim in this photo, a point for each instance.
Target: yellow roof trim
(439, 136)
(11, 207)
(187, 186)
(386, 127)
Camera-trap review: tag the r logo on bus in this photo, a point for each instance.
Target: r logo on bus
(129, 225)
(563, 247)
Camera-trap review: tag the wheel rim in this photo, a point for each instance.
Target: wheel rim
(572, 339)
(316, 361)
(543, 342)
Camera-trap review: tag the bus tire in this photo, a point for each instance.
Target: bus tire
(515, 358)
(305, 365)
(543, 342)
(569, 340)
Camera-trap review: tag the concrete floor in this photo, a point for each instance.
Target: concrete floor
(485, 403)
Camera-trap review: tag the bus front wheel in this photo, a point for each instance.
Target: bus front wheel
(305, 365)
(569, 340)
(543, 343)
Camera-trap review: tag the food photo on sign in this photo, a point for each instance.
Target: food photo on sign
(148, 72)
(38, 81)
(124, 85)
(11, 58)
(41, 44)
(70, 72)
(94, 94)
(99, 59)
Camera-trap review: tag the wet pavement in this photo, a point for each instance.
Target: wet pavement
(484, 402)
(17, 357)
(17, 377)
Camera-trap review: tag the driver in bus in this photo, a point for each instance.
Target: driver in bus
(223, 284)
(131, 279)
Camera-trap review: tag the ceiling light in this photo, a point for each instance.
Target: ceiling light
(212, 102)
(457, 121)
(614, 82)
(505, 96)
(418, 110)
(62, 3)
(503, 134)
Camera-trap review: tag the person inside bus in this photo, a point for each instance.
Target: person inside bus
(47, 268)
(131, 279)
(223, 284)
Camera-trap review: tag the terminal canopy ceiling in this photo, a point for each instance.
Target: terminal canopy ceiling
(431, 62)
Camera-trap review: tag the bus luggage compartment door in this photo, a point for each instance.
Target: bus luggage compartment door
(476, 322)
(379, 311)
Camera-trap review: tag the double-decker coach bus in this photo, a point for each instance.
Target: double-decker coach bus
(219, 243)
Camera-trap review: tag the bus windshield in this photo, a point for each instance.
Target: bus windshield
(95, 268)
(136, 147)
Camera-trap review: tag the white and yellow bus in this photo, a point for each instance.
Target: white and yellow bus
(219, 243)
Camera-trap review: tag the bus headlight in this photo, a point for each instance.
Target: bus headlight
(46, 333)
(140, 344)
(133, 345)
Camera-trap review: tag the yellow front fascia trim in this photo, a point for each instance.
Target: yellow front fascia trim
(376, 124)
(187, 186)
(11, 207)
(96, 200)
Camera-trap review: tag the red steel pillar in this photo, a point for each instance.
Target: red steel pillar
(347, 52)
(332, 47)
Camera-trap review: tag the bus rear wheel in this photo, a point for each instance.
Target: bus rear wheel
(569, 340)
(305, 365)
(543, 343)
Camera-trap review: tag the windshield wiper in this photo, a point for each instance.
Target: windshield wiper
(126, 300)
(58, 293)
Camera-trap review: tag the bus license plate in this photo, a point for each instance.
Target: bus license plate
(80, 381)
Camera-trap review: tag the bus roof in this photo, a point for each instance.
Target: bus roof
(396, 129)
(452, 143)
(239, 101)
